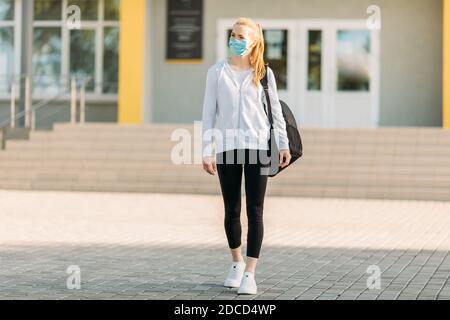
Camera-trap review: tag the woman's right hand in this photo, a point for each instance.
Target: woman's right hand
(209, 165)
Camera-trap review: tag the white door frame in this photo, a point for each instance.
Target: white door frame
(297, 60)
(329, 72)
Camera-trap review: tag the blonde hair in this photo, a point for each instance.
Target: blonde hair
(257, 54)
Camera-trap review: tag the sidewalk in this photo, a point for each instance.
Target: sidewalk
(169, 246)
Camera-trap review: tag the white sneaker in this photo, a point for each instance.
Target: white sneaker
(235, 274)
(248, 284)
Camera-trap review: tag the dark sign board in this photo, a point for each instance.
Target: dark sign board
(184, 29)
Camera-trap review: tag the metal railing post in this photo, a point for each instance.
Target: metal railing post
(13, 104)
(33, 120)
(73, 101)
(33, 112)
(27, 100)
(83, 103)
(2, 138)
(29, 114)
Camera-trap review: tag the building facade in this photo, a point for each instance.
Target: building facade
(41, 39)
(332, 67)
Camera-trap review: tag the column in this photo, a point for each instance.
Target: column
(131, 61)
(446, 65)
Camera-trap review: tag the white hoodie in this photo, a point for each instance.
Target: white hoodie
(242, 122)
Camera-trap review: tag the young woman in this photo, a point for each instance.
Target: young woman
(235, 96)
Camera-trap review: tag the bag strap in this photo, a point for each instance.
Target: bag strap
(265, 85)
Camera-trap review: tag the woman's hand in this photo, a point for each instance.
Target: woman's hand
(285, 157)
(209, 165)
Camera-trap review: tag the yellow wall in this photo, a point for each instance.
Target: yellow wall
(131, 60)
(446, 67)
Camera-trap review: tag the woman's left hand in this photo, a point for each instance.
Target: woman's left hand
(285, 157)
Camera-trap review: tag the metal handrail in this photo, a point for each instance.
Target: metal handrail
(13, 78)
(31, 109)
(34, 108)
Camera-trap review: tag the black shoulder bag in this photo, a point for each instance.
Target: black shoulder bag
(295, 141)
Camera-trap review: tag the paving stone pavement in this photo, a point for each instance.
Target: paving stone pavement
(172, 246)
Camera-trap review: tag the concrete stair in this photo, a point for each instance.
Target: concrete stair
(385, 163)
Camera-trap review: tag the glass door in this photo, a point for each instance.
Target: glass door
(327, 70)
(339, 68)
(354, 83)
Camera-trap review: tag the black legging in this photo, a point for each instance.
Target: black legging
(230, 165)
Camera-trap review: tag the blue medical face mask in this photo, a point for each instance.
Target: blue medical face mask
(237, 47)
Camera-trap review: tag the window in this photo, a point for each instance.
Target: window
(314, 60)
(46, 59)
(6, 10)
(60, 52)
(110, 58)
(47, 9)
(82, 53)
(353, 53)
(7, 53)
